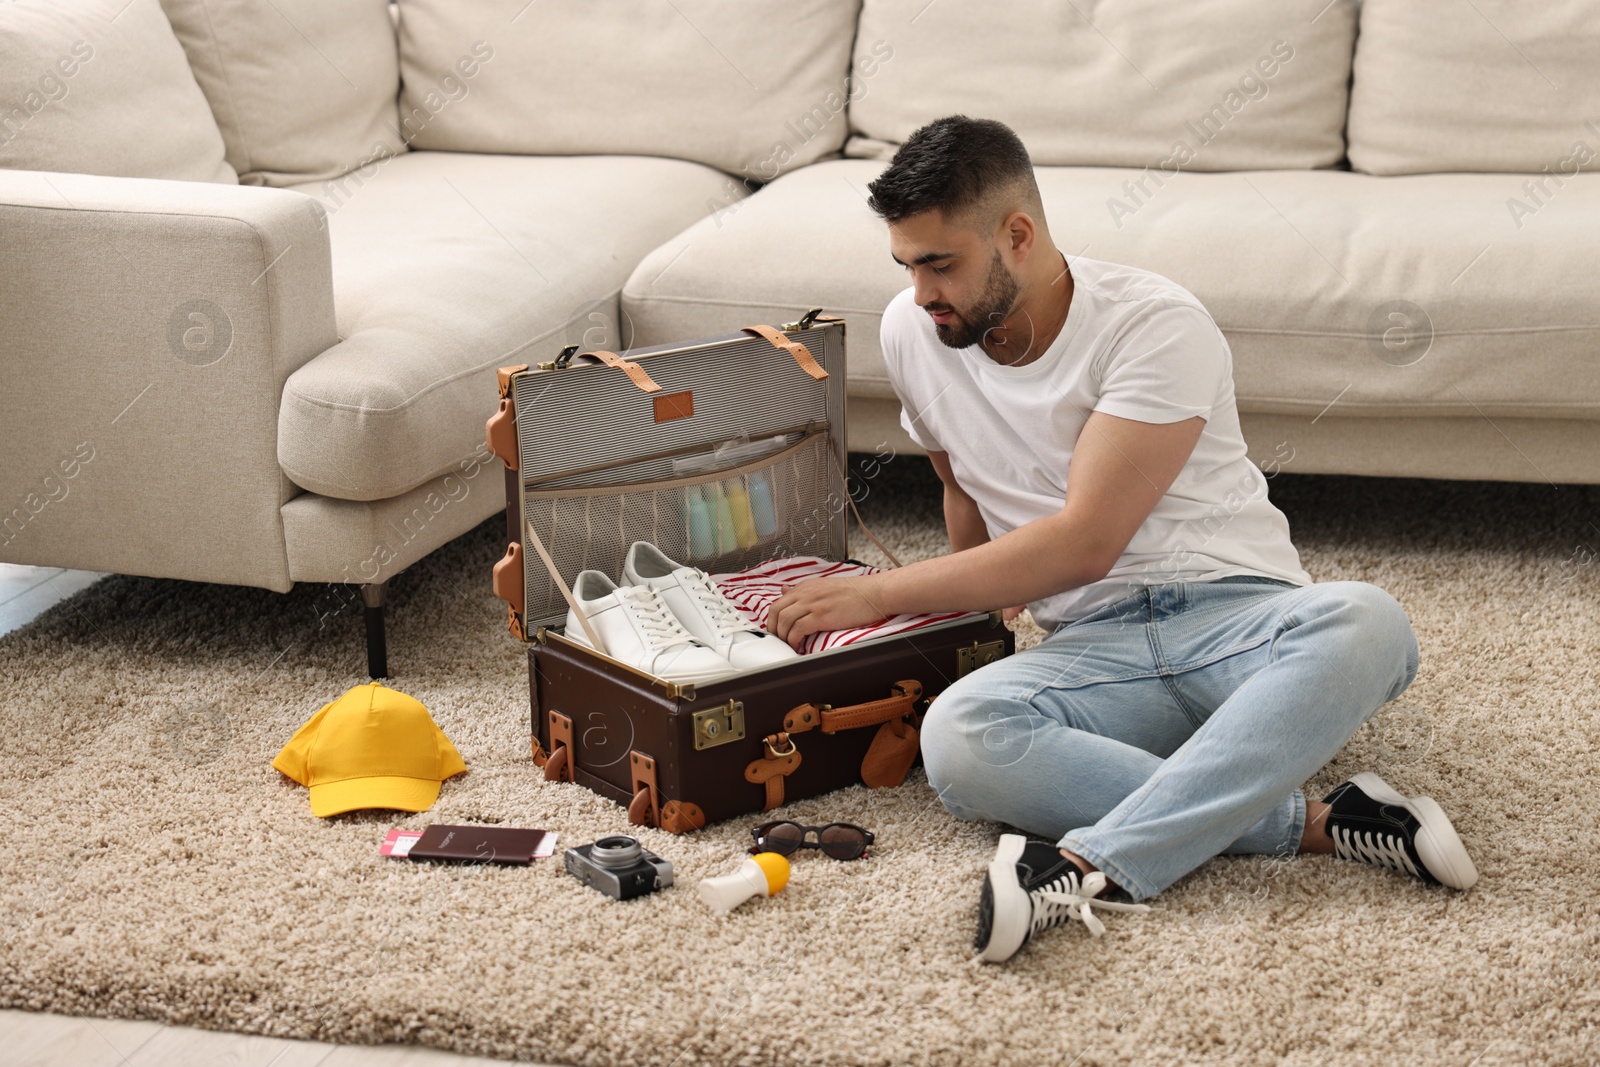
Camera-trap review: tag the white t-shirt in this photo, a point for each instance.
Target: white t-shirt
(1135, 345)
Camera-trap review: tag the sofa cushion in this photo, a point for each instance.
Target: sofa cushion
(1390, 296)
(446, 266)
(1488, 87)
(1227, 85)
(754, 87)
(102, 87)
(301, 89)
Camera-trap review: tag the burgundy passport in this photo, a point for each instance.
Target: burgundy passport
(476, 844)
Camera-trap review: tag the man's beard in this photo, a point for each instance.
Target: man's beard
(998, 299)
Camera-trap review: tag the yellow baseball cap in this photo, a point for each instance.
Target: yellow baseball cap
(374, 747)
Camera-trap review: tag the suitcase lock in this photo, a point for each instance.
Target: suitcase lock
(978, 655)
(719, 725)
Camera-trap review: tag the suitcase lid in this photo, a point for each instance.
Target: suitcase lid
(597, 436)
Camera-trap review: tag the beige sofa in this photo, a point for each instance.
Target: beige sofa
(1415, 315)
(258, 262)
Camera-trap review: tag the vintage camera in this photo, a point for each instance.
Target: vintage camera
(619, 867)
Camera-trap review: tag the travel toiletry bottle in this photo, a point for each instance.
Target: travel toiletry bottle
(702, 532)
(723, 535)
(727, 536)
(738, 498)
(762, 514)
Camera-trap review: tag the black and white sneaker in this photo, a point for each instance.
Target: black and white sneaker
(1030, 887)
(1371, 822)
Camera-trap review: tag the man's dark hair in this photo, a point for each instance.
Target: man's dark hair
(966, 168)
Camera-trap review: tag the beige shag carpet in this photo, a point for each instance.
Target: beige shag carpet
(155, 866)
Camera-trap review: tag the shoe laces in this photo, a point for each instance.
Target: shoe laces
(722, 616)
(1064, 899)
(660, 627)
(1379, 850)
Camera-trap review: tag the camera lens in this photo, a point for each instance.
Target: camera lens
(616, 851)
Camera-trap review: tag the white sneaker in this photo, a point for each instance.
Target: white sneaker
(702, 610)
(638, 628)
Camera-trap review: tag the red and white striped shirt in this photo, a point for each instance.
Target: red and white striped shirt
(754, 590)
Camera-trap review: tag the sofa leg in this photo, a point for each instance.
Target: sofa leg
(373, 596)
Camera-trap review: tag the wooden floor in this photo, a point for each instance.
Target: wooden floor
(30, 1039)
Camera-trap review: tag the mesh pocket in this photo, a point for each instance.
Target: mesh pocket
(726, 520)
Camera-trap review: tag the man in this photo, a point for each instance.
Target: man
(1082, 419)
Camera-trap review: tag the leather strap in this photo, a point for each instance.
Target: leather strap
(781, 760)
(645, 808)
(831, 720)
(558, 768)
(633, 370)
(889, 758)
(802, 355)
(555, 576)
(803, 718)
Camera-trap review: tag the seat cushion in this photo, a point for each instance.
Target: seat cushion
(1225, 85)
(102, 87)
(1410, 295)
(1490, 86)
(753, 87)
(301, 89)
(446, 266)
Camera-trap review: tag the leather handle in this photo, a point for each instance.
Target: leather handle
(559, 767)
(831, 720)
(802, 355)
(645, 810)
(781, 760)
(635, 372)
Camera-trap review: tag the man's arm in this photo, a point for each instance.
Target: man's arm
(962, 521)
(1120, 469)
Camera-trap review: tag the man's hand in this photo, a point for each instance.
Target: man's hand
(1120, 469)
(823, 604)
(1011, 613)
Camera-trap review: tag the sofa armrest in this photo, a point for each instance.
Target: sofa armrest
(146, 329)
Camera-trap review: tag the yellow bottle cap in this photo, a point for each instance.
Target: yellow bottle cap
(775, 867)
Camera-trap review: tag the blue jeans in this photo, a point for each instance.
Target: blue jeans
(1174, 725)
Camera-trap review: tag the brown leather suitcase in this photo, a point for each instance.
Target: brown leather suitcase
(589, 443)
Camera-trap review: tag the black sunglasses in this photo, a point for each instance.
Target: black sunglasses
(841, 840)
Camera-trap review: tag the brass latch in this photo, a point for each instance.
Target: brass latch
(803, 323)
(978, 655)
(719, 725)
